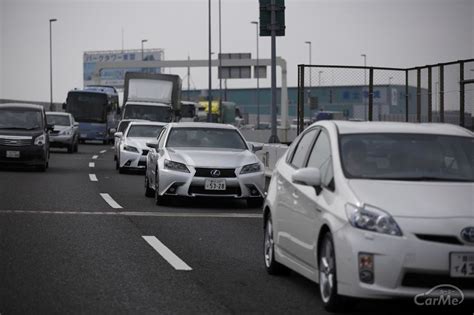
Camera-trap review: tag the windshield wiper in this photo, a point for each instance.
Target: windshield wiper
(425, 178)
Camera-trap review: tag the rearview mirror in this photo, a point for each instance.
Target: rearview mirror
(152, 145)
(309, 176)
(118, 134)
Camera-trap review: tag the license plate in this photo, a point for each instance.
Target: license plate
(214, 184)
(13, 154)
(462, 265)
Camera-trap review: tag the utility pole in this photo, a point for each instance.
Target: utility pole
(274, 136)
(209, 94)
(51, 64)
(220, 63)
(189, 75)
(257, 74)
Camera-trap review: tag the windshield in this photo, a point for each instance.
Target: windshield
(143, 131)
(407, 157)
(206, 138)
(58, 120)
(147, 112)
(20, 118)
(87, 107)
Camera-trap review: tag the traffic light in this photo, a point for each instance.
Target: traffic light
(266, 17)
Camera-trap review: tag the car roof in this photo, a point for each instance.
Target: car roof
(201, 125)
(58, 113)
(21, 105)
(350, 127)
(147, 123)
(132, 102)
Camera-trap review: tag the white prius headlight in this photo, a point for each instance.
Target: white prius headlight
(251, 168)
(372, 219)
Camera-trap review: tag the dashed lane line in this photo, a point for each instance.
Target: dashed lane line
(94, 157)
(103, 151)
(139, 214)
(93, 178)
(176, 262)
(110, 201)
(91, 164)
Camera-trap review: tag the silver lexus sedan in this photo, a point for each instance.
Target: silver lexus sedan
(203, 159)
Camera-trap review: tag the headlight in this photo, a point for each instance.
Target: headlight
(372, 219)
(130, 148)
(176, 166)
(251, 168)
(65, 132)
(40, 140)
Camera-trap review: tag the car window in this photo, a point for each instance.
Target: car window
(199, 137)
(58, 120)
(21, 118)
(321, 158)
(303, 147)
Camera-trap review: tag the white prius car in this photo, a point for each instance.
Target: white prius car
(204, 159)
(375, 210)
(132, 148)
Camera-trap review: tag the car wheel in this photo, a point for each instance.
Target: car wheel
(332, 301)
(117, 165)
(271, 265)
(159, 200)
(121, 170)
(70, 148)
(76, 146)
(254, 202)
(148, 191)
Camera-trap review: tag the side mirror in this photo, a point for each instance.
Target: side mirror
(112, 131)
(152, 145)
(256, 147)
(309, 176)
(50, 127)
(76, 124)
(118, 134)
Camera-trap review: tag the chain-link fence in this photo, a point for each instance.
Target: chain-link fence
(432, 93)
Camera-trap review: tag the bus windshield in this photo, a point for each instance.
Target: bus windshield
(147, 112)
(87, 107)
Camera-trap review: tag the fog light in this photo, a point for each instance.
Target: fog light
(173, 189)
(366, 268)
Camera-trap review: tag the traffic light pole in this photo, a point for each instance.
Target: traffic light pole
(274, 136)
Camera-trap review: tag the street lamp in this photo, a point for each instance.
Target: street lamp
(365, 83)
(209, 93)
(143, 41)
(51, 64)
(257, 72)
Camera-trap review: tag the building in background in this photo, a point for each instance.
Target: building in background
(115, 77)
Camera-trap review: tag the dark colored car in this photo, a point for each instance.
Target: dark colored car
(24, 138)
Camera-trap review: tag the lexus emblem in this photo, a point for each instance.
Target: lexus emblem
(467, 234)
(215, 173)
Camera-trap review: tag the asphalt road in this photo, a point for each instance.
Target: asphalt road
(66, 247)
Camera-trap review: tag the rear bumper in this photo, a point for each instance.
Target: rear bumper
(28, 155)
(61, 141)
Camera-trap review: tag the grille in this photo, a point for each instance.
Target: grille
(446, 239)
(206, 172)
(15, 142)
(200, 190)
(424, 280)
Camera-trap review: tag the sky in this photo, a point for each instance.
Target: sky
(392, 33)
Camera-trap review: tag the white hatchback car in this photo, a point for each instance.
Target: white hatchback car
(132, 149)
(204, 159)
(374, 209)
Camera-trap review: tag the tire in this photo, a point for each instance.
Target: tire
(159, 200)
(117, 165)
(271, 265)
(121, 170)
(254, 202)
(76, 146)
(70, 148)
(332, 301)
(150, 193)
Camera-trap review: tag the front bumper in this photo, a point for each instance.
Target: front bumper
(188, 184)
(61, 141)
(132, 160)
(28, 155)
(403, 266)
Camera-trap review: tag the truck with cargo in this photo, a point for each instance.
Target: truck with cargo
(151, 96)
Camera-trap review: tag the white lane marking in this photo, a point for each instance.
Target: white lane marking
(110, 201)
(139, 214)
(94, 157)
(191, 214)
(93, 178)
(112, 148)
(91, 164)
(166, 253)
(103, 151)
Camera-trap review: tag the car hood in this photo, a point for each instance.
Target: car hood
(214, 158)
(139, 142)
(417, 199)
(61, 128)
(19, 132)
